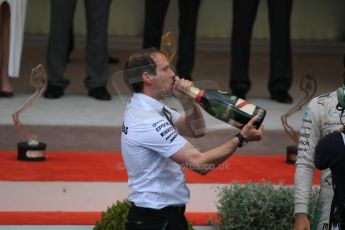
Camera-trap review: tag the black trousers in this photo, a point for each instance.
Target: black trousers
(168, 218)
(244, 14)
(61, 21)
(155, 11)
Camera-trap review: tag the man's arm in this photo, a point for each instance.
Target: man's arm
(191, 123)
(309, 135)
(202, 163)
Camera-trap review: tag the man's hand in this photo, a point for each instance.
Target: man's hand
(301, 222)
(179, 88)
(250, 132)
(192, 123)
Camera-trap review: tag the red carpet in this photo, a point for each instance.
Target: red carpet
(98, 166)
(83, 218)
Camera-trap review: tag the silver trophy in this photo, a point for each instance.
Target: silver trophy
(309, 87)
(32, 150)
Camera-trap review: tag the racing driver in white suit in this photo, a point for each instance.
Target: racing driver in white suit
(321, 117)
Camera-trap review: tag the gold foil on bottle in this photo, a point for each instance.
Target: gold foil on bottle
(193, 92)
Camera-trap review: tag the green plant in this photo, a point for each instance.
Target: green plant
(259, 206)
(114, 218)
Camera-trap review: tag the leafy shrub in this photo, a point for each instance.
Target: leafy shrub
(114, 218)
(259, 206)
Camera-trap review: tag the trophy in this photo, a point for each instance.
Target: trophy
(168, 46)
(32, 150)
(308, 86)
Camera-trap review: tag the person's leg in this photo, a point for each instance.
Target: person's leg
(186, 46)
(97, 16)
(113, 60)
(155, 11)
(5, 84)
(244, 13)
(177, 221)
(280, 77)
(70, 44)
(146, 219)
(61, 19)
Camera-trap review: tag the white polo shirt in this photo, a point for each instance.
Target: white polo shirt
(147, 142)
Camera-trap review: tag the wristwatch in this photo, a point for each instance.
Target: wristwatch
(242, 139)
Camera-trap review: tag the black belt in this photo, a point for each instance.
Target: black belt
(176, 209)
(168, 209)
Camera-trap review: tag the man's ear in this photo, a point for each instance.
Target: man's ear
(147, 78)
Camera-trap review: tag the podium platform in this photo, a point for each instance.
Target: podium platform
(77, 123)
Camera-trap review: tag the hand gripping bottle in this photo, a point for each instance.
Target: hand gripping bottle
(228, 108)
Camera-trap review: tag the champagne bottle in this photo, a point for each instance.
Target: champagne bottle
(226, 107)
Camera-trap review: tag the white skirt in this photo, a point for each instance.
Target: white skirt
(17, 23)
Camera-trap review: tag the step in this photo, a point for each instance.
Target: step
(76, 123)
(85, 218)
(84, 181)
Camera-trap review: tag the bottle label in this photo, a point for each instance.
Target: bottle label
(226, 115)
(194, 93)
(245, 106)
(239, 112)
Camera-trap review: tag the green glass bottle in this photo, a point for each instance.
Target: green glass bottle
(226, 107)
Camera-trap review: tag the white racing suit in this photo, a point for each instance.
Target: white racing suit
(320, 118)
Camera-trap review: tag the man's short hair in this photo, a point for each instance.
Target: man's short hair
(136, 65)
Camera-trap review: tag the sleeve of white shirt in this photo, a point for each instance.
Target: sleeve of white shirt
(309, 136)
(158, 135)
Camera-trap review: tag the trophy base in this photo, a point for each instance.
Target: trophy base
(26, 152)
(291, 154)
